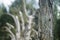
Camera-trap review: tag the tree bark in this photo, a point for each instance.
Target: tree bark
(46, 19)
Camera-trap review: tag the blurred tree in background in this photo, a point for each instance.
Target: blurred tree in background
(33, 23)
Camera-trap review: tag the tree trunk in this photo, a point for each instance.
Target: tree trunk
(46, 19)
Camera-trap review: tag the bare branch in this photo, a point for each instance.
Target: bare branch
(22, 19)
(10, 31)
(9, 25)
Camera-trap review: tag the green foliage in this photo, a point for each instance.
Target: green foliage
(3, 20)
(57, 30)
(6, 18)
(56, 21)
(2, 10)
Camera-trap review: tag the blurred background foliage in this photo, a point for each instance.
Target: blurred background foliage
(14, 9)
